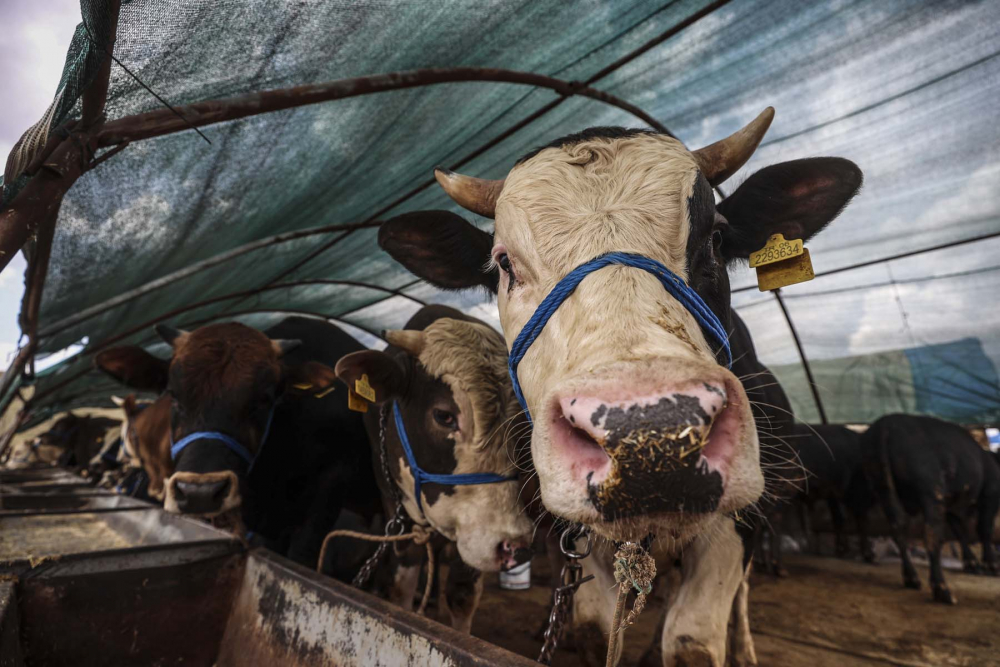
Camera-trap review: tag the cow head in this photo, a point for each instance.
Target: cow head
(637, 426)
(460, 415)
(222, 378)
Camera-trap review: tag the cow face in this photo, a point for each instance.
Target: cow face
(222, 378)
(450, 383)
(637, 426)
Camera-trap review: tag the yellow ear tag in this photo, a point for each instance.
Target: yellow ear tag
(364, 390)
(354, 402)
(304, 386)
(325, 392)
(780, 263)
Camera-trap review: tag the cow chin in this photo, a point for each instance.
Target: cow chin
(660, 454)
(205, 495)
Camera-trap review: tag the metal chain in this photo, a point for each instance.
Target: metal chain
(562, 597)
(397, 524)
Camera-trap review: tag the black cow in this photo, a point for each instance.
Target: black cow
(830, 456)
(936, 469)
(256, 425)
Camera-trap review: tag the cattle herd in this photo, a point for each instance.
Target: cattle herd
(623, 407)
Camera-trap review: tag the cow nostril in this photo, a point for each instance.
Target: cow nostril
(222, 491)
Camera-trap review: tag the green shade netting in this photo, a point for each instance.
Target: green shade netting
(908, 90)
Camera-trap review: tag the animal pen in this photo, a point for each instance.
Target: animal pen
(232, 161)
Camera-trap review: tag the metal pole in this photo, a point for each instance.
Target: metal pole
(802, 356)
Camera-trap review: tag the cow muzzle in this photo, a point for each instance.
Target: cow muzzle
(202, 494)
(666, 450)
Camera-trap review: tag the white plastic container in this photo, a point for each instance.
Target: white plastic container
(517, 578)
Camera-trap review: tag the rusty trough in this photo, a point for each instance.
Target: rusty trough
(90, 578)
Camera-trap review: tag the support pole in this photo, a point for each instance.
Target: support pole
(802, 356)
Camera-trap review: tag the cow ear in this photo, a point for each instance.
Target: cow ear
(796, 199)
(385, 375)
(312, 378)
(440, 247)
(134, 367)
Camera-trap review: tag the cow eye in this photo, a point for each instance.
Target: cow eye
(716, 239)
(504, 262)
(445, 418)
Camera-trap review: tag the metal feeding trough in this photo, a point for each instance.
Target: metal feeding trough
(138, 586)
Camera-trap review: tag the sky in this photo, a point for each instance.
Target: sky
(35, 36)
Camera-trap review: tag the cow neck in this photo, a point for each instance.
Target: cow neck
(421, 476)
(227, 441)
(671, 282)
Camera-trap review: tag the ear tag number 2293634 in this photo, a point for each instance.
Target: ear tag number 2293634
(780, 263)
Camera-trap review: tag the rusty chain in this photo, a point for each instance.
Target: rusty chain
(562, 597)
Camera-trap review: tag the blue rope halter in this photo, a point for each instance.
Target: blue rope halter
(230, 442)
(421, 476)
(670, 281)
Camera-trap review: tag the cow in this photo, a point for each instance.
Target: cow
(72, 441)
(926, 466)
(624, 372)
(830, 455)
(253, 429)
(823, 465)
(145, 441)
(444, 378)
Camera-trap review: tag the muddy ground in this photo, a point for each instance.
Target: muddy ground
(826, 613)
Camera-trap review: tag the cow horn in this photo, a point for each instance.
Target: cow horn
(170, 334)
(478, 195)
(283, 346)
(724, 158)
(407, 339)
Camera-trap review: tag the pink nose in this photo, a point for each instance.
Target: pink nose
(512, 553)
(697, 405)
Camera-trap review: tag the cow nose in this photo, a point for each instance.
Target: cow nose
(694, 406)
(643, 453)
(513, 553)
(201, 497)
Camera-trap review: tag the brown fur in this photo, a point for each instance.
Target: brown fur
(148, 435)
(221, 358)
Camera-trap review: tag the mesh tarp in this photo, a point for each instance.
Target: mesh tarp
(906, 89)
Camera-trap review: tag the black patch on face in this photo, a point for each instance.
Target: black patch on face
(433, 450)
(652, 472)
(707, 273)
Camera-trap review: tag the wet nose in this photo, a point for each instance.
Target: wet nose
(643, 453)
(513, 553)
(201, 497)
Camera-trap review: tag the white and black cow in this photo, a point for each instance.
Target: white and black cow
(628, 374)
(443, 381)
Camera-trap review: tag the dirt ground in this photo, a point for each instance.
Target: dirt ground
(826, 613)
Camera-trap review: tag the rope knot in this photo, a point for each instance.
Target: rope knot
(422, 534)
(635, 569)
